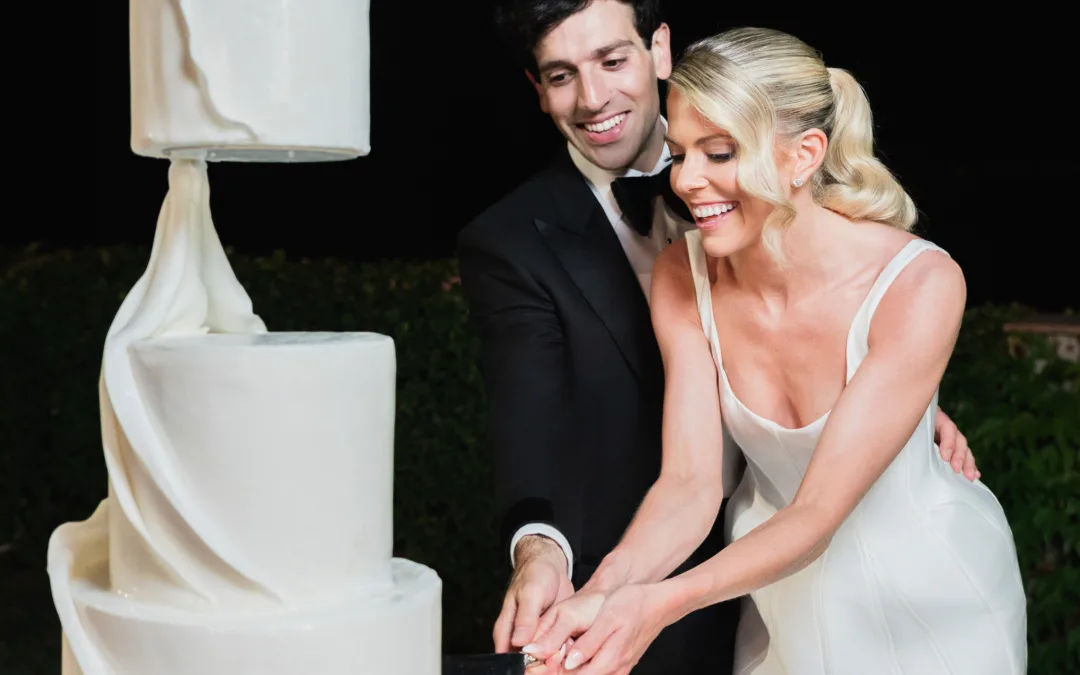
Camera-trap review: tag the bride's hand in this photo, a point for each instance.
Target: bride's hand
(561, 624)
(611, 633)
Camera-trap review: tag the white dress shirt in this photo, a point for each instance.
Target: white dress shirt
(666, 229)
(640, 251)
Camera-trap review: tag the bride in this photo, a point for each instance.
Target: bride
(803, 316)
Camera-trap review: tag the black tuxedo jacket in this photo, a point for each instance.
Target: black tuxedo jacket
(575, 385)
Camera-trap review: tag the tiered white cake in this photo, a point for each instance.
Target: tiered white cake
(248, 523)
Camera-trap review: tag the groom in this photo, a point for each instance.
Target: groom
(557, 276)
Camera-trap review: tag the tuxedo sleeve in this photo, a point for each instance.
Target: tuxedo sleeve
(525, 369)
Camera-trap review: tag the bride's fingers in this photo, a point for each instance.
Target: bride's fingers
(563, 626)
(610, 659)
(551, 665)
(543, 627)
(587, 646)
(556, 659)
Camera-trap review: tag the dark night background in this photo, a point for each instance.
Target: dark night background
(973, 112)
(969, 113)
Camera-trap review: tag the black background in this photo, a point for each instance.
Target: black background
(971, 110)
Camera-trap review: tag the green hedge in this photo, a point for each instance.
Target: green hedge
(55, 308)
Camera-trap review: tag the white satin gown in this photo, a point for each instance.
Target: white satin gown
(921, 579)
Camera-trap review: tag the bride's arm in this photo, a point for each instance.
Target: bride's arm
(910, 342)
(681, 507)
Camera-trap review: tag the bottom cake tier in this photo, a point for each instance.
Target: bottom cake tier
(394, 633)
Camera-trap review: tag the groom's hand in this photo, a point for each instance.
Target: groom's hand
(539, 581)
(954, 447)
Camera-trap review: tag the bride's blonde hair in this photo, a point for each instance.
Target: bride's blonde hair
(761, 85)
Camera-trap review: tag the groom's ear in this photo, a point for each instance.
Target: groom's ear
(539, 90)
(660, 50)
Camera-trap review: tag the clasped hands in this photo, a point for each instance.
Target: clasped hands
(594, 631)
(600, 632)
(606, 630)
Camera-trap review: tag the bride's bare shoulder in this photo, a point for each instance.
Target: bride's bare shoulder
(672, 296)
(673, 259)
(671, 274)
(925, 303)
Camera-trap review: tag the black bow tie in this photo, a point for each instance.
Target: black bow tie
(637, 194)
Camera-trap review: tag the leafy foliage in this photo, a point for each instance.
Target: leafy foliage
(55, 308)
(1021, 415)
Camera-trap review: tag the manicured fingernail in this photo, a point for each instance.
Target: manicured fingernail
(531, 650)
(574, 660)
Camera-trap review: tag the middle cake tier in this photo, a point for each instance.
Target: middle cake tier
(271, 480)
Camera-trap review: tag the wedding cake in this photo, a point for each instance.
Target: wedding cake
(247, 527)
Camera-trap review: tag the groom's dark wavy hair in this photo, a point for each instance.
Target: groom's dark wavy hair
(524, 23)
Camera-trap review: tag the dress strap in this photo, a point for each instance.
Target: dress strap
(699, 272)
(892, 271)
(860, 327)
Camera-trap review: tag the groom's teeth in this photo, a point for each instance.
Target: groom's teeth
(713, 210)
(606, 124)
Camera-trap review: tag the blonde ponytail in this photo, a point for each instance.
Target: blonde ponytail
(853, 181)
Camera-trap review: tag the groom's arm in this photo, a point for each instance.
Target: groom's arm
(523, 365)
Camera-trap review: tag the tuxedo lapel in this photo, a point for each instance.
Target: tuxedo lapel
(586, 245)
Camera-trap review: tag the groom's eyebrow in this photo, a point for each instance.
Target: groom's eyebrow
(597, 54)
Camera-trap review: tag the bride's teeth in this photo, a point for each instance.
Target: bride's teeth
(712, 210)
(606, 124)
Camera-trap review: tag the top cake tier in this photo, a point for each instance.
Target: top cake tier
(243, 81)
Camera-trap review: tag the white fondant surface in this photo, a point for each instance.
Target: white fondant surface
(286, 443)
(393, 632)
(248, 521)
(249, 80)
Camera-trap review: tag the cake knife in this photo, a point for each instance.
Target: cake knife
(487, 664)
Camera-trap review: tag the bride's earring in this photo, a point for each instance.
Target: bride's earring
(798, 182)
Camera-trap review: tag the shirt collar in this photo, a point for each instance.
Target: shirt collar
(601, 178)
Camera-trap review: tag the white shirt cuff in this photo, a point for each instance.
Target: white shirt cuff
(549, 532)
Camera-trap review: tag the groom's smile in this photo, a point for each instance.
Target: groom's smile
(602, 131)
